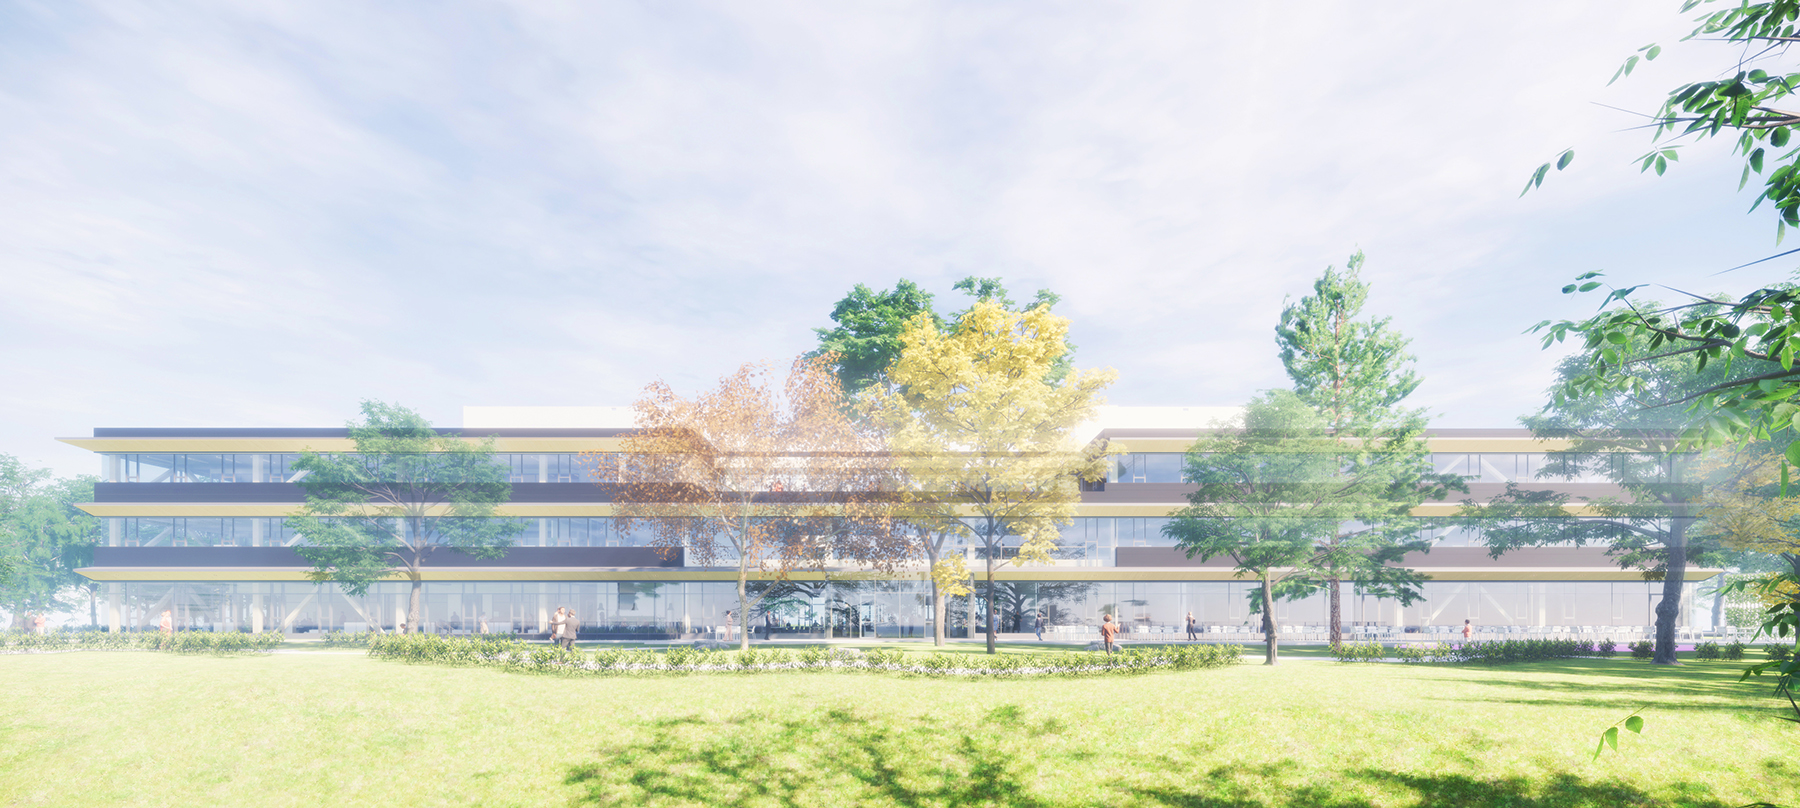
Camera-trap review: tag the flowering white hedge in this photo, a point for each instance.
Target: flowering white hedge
(509, 653)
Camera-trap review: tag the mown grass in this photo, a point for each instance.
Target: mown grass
(132, 728)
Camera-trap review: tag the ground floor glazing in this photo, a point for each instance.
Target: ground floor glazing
(870, 609)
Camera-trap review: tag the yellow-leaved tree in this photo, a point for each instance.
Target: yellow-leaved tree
(980, 422)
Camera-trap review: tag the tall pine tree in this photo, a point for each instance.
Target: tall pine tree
(1355, 371)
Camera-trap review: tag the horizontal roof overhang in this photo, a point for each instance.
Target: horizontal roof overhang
(1010, 573)
(577, 509)
(295, 445)
(556, 444)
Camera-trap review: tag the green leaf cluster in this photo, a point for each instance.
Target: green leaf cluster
(44, 538)
(1610, 737)
(866, 339)
(405, 492)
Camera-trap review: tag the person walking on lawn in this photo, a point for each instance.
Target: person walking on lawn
(1108, 632)
(1468, 631)
(1040, 626)
(1193, 633)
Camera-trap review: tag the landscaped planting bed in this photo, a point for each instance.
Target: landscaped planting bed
(512, 654)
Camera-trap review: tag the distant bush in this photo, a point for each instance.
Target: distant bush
(1606, 648)
(1734, 651)
(1708, 651)
(1495, 652)
(1643, 649)
(1778, 652)
(1359, 651)
(180, 642)
(512, 654)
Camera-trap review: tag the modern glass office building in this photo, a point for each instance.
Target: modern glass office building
(195, 525)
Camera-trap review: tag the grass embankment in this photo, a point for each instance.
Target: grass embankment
(315, 729)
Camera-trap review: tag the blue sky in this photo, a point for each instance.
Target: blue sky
(258, 214)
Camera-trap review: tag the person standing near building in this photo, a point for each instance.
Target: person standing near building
(1040, 625)
(1468, 631)
(1108, 631)
(37, 624)
(167, 624)
(556, 624)
(571, 629)
(728, 625)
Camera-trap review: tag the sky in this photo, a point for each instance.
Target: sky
(229, 214)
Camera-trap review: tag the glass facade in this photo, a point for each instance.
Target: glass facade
(1088, 541)
(887, 609)
(1476, 467)
(190, 467)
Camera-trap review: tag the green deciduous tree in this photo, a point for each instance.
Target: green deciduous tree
(1267, 498)
(981, 427)
(1355, 371)
(405, 493)
(866, 340)
(44, 536)
(1646, 452)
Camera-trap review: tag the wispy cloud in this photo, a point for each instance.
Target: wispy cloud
(230, 214)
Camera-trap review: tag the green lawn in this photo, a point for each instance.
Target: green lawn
(133, 728)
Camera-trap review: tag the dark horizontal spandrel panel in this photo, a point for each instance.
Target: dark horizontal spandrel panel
(337, 432)
(289, 492)
(1440, 558)
(1463, 557)
(198, 492)
(531, 557)
(1165, 557)
(1125, 493)
(1119, 493)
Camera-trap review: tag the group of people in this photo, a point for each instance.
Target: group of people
(564, 627)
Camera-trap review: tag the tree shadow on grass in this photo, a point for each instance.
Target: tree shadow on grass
(830, 757)
(1231, 788)
(1703, 691)
(838, 756)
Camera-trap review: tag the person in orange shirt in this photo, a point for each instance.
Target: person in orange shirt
(167, 624)
(1108, 632)
(1468, 631)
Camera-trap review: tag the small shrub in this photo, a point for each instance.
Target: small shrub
(1778, 652)
(1606, 648)
(1707, 650)
(1359, 652)
(1734, 651)
(1643, 649)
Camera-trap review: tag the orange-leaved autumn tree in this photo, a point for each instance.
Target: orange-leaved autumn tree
(767, 480)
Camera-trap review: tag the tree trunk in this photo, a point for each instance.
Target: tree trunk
(1669, 608)
(1337, 610)
(937, 593)
(744, 601)
(1268, 610)
(937, 608)
(1718, 609)
(414, 603)
(990, 600)
(93, 607)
